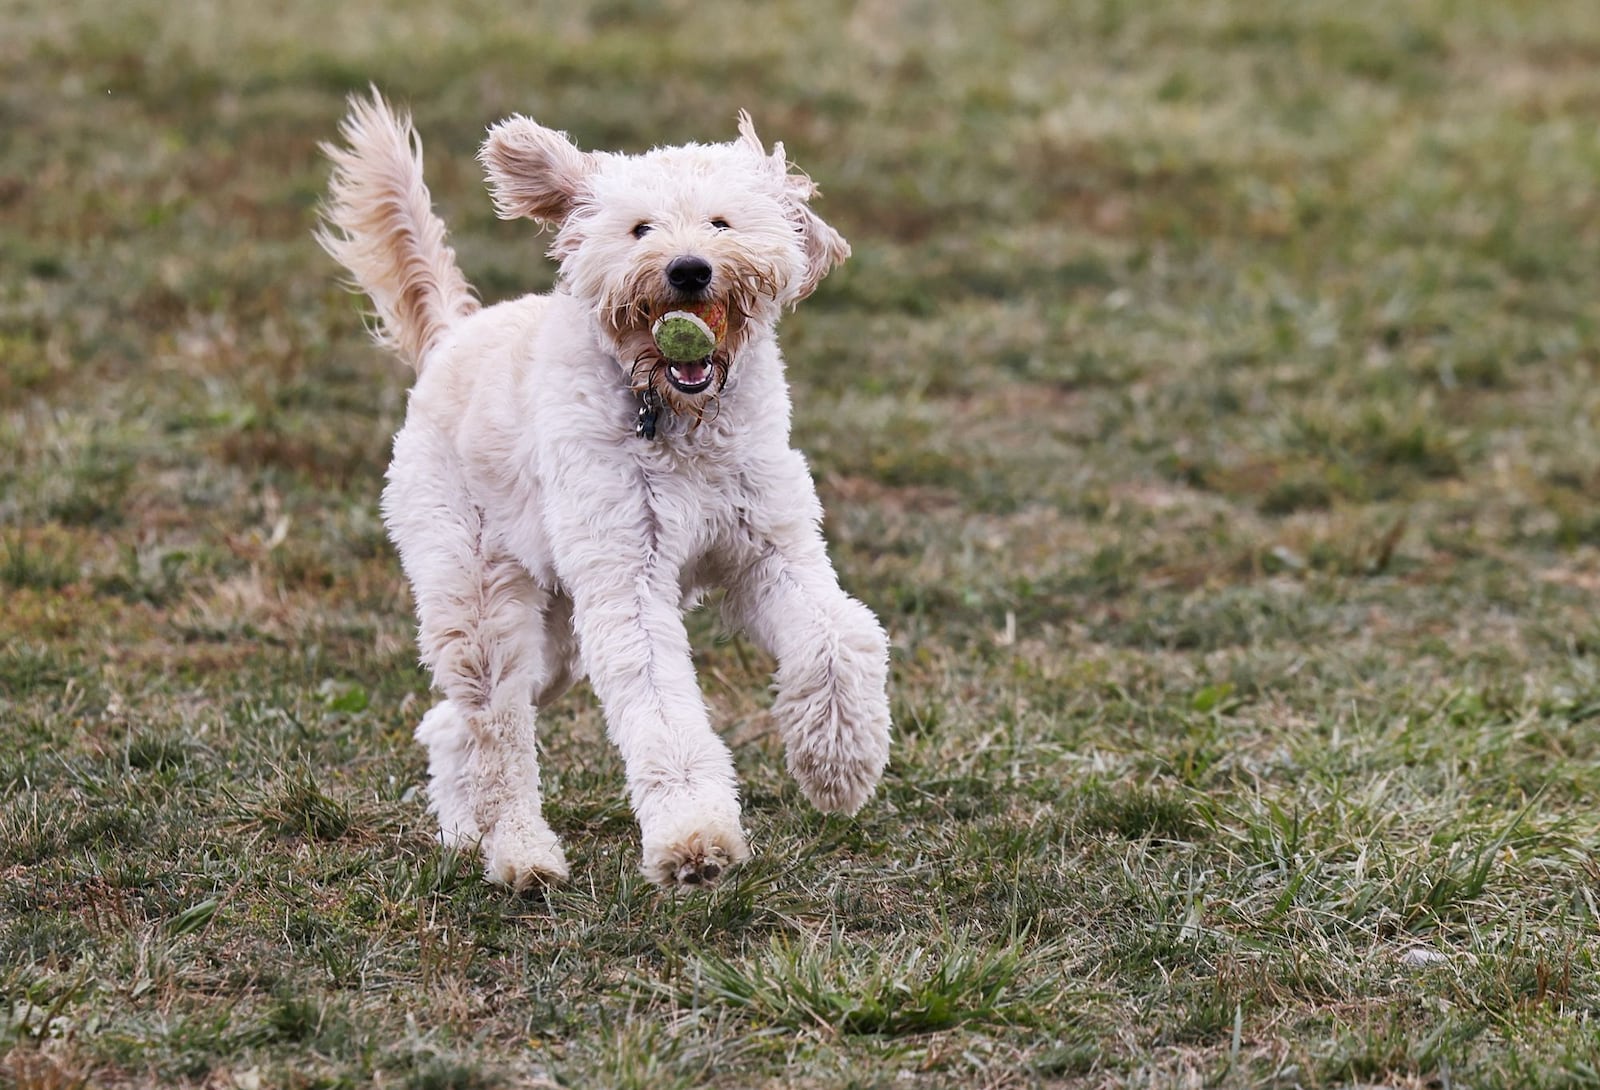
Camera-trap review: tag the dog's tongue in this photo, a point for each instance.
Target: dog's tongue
(691, 373)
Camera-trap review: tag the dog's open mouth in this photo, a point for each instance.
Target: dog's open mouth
(680, 356)
(691, 377)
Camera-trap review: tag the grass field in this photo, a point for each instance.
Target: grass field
(1209, 410)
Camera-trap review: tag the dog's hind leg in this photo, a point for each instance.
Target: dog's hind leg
(482, 643)
(481, 631)
(448, 738)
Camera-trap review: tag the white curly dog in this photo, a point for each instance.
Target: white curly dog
(561, 493)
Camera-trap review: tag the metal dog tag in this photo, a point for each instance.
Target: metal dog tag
(644, 426)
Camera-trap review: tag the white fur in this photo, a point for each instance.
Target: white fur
(544, 540)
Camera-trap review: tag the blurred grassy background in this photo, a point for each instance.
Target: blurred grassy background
(1209, 410)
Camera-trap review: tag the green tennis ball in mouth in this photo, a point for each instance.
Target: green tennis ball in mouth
(682, 336)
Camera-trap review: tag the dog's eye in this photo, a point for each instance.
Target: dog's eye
(721, 224)
(641, 230)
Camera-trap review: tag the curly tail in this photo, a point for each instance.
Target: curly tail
(379, 223)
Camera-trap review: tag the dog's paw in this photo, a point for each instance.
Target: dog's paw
(523, 857)
(836, 745)
(832, 710)
(836, 784)
(698, 858)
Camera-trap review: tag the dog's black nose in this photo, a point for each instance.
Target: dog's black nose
(689, 273)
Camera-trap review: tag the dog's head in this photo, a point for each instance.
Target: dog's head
(638, 236)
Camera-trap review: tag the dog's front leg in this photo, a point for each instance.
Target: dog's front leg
(832, 705)
(635, 650)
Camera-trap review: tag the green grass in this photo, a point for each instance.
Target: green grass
(1209, 411)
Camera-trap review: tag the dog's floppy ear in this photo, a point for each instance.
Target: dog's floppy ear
(533, 171)
(825, 248)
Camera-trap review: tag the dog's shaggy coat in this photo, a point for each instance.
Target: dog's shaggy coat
(546, 535)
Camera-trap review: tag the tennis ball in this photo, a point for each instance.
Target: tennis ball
(691, 332)
(682, 336)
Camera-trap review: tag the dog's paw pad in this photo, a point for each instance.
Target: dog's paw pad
(695, 860)
(703, 869)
